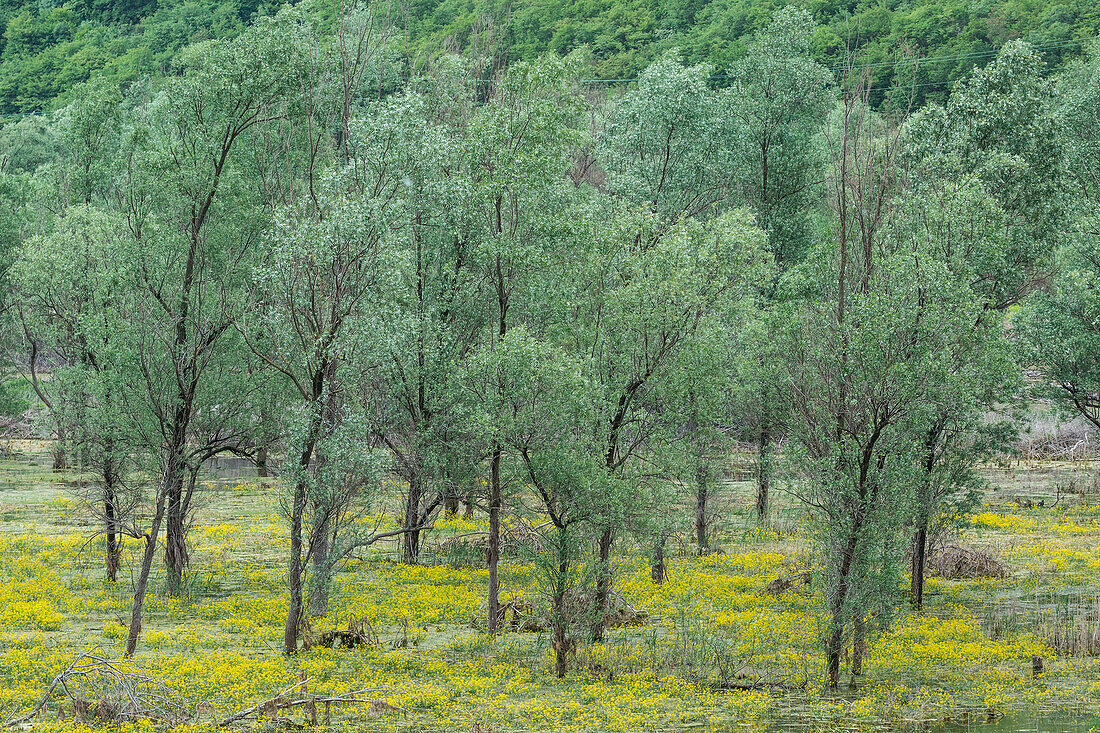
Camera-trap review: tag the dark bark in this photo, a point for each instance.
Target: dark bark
(763, 470)
(175, 549)
(142, 584)
(920, 549)
(60, 454)
(411, 539)
(322, 572)
(561, 642)
(603, 585)
(493, 553)
(297, 514)
(261, 462)
(702, 496)
(859, 643)
(294, 581)
(658, 570)
(110, 504)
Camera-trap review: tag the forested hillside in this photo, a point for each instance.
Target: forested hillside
(48, 47)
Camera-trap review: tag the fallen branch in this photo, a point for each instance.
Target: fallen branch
(285, 700)
(103, 691)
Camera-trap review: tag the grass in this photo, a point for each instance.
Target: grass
(966, 658)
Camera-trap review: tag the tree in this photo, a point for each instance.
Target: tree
(868, 351)
(649, 292)
(68, 283)
(985, 198)
(1056, 327)
(521, 144)
(194, 212)
(779, 96)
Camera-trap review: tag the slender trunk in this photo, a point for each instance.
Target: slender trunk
(924, 510)
(837, 604)
(294, 581)
(764, 469)
(859, 643)
(561, 642)
(297, 514)
(320, 583)
(146, 567)
(493, 554)
(411, 539)
(701, 497)
(469, 513)
(920, 550)
(658, 571)
(603, 585)
(114, 544)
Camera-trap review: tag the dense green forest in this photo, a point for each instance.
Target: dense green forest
(48, 47)
(398, 262)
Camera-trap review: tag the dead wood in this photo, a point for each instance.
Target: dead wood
(289, 699)
(101, 691)
(785, 583)
(960, 561)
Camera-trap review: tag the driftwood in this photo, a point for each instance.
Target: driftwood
(291, 698)
(106, 692)
(785, 583)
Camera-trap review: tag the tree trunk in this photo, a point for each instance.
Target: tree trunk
(839, 597)
(411, 539)
(297, 513)
(320, 583)
(657, 571)
(764, 469)
(175, 548)
(920, 550)
(859, 643)
(114, 539)
(493, 554)
(146, 568)
(294, 581)
(261, 462)
(603, 585)
(561, 642)
(60, 456)
(701, 496)
(450, 505)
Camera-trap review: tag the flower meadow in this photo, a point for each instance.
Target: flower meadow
(719, 652)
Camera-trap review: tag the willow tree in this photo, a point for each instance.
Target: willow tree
(520, 145)
(194, 210)
(868, 350)
(1057, 326)
(986, 198)
(647, 295)
(779, 96)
